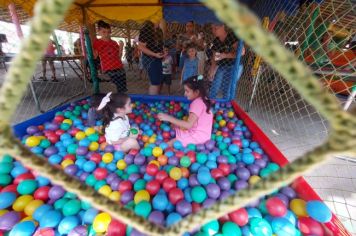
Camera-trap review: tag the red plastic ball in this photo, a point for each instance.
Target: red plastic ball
(195, 207)
(116, 228)
(95, 157)
(23, 177)
(70, 157)
(59, 132)
(217, 173)
(152, 169)
(101, 139)
(276, 207)
(257, 155)
(309, 227)
(53, 138)
(225, 134)
(239, 217)
(125, 186)
(169, 184)
(58, 119)
(10, 188)
(153, 187)
(100, 173)
(42, 193)
(132, 116)
(166, 135)
(224, 219)
(73, 131)
(161, 176)
(231, 125)
(175, 195)
(237, 142)
(225, 168)
(138, 120)
(179, 154)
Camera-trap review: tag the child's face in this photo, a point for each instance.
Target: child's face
(127, 109)
(105, 33)
(165, 51)
(192, 52)
(190, 93)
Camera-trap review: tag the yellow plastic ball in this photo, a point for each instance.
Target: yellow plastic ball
(115, 196)
(121, 164)
(21, 202)
(68, 121)
(152, 140)
(32, 206)
(105, 190)
(93, 146)
(230, 114)
(175, 173)
(33, 141)
(218, 133)
(254, 179)
(298, 206)
(101, 222)
(222, 123)
(80, 135)
(141, 195)
(89, 131)
(108, 157)
(157, 151)
(66, 163)
(155, 162)
(3, 211)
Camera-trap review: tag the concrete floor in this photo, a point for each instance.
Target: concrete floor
(292, 125)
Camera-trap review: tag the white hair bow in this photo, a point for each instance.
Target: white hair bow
(104, 101)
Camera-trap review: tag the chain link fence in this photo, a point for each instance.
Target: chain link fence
(323, 36)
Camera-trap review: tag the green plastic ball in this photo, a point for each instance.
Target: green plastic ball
(262, 207)
(211, 228)
(45, 143)
(191, 147)
(231, 229)
(90, 180)
(259, 226)
(60, 203)
(5, 179)
(219, 138)
(231, 159)
(65, 126)
(93, 137)
(99, 184)
(67, 114)
(72, 207)
(6, 167)
(86, 107)
(232, 178)
(70, 195)
(265, 172)
(143, 209)
(185, 161)
(85, 205)
(6, 159)
(198, 194)
(119, 172)
(72, 148)
(222, 146)
(139, 185)
(147, 151)
(273, 167)
(27, 186)
(131, 169)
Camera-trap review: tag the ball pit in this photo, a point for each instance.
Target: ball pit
(160, 183)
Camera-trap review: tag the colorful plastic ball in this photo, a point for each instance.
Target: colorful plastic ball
(213, 191)
(89, 215)
(211, 228)
(276, 207)
(79, 230)
(185, 161)
(230, 229)
(239, 217)
(160, 202)
(45, 232)
(283, 227)
(289, 192)
(21, 202)
(234, 149)
(298, 206)
(67, 224)
(7, 199)
(101, 222)
(259, 226)
(175, 195)
(26, 228)
(51, 219)
(100, 173)
(32, 206)
(184, 208)
(33, 141)
(153, 187)
(173, 218)
(152, 169)
(309, 227)
(116, 228)
(8, 220)
(175, 173)
(93, 146)
(157, 151)
(40, 211)
(318, 211)
(224, 183)
(156, 217)
(56, 192)
(198, 194)
(248, 158)
(253, 213)
(72, 207)
(143, 209)
(254, 179)
(108, 157)
(141, 195)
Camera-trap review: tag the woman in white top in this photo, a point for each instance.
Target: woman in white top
(115, 108)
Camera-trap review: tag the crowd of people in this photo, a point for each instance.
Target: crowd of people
(175, 56)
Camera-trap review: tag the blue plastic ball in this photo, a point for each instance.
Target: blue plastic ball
(318, 211)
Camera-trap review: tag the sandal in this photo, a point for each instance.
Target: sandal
(43, 78)
(54, 79)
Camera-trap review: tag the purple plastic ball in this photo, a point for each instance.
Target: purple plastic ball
(208, 203)
(109, 148)
(111, 177)
(262, 163)
(56, 192)
(240, 184)
(31, 130)
(210, 144)
(224, 194)
(151, 158)
(80, 230)
(115, 184)
(193, 180)
(200, 147)
(156, 217)
(233, 167)
(83, 176)
(213, 191)
(126, 197)
(134, 177)
(81, 151)
(8, 220)
(173, 161)
(184, 208)
(50, 151)
(129, 159)
(289, 192)
(224, 183)
(135, 232)
(139, 160)
(52, 126)
(243, 173)
(254, 169)
(283, 198)
(240, 164)
(222, 159)
(71, 169)
(143, 169)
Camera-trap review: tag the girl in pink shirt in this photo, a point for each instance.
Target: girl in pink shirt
(197, 129)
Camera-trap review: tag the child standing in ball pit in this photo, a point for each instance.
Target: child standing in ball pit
(115, 108)
(197, 129)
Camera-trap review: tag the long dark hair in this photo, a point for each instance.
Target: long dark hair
(148, 30)
(196, 84)
(117, 100)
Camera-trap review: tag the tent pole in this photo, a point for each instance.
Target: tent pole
(15, 20)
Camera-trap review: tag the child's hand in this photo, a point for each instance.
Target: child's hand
(164, 117)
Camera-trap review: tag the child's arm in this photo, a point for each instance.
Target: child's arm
(180, 123)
